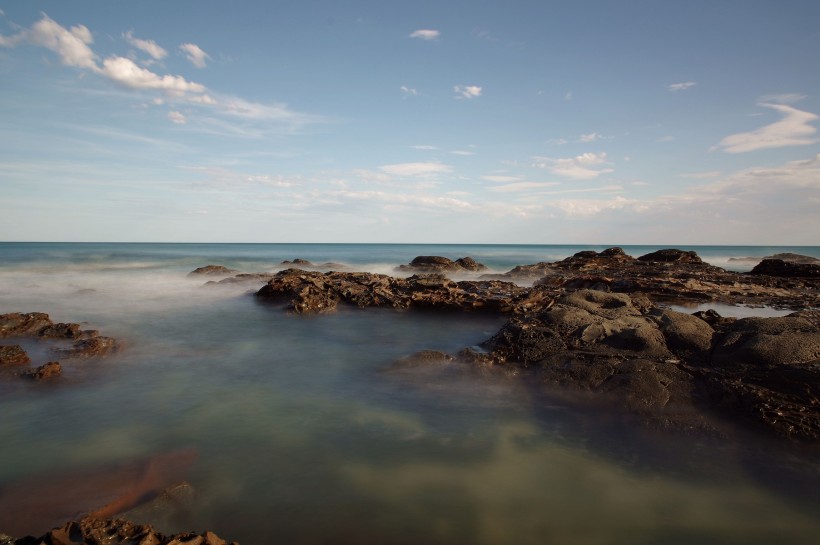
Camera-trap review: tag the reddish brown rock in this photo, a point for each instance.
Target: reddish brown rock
(439, 264)
(49, 370)
(13, 355)
(212, 270)
(786, 269)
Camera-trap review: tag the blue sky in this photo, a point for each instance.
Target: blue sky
(598, 122)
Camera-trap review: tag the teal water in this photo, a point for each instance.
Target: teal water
(307, 433)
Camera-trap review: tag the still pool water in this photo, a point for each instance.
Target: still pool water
(306, 431)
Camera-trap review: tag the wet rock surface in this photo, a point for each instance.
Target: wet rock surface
(212, 270)
(787, 269)
(76, 342)
(97, 531)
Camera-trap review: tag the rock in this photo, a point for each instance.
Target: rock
(98, 531)
(298, 262)
(687, 335)
(212, 270)
(438, 264)
(671, 255)
(49, 370)
(20, 324)
(795, 258)
(306, 292)
(787, 269)
(61, 331)
(91, 347)
(13, 355)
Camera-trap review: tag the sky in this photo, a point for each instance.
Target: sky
(522, 122)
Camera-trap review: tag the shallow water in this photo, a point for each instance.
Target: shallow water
(307, 433)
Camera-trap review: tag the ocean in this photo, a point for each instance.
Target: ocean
(305, 430)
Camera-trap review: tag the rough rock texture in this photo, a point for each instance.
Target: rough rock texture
(307, 292)
(212, 270)
(48, 370)
(787, 269)
(13, 355)
(439, 264)
(669, 275)
(652, 361)
(95, 531)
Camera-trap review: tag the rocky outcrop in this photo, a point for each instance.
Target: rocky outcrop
(212, 270)
(76, 342)
(90, 530)
(307, 292)
(662, 365)
(787, 269)
(670, 275)
(439, 264)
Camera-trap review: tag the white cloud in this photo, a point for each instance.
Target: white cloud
(126, 73)
(568, 95)
(425, 147)
(792, 130)
(702, 175)
(591, 137)
(582, 167)
(425, 34)
(177, 117)
(148, 46)
(408, 91)
(194, 54)
(467, 91)
(416, 169)
(462, 152)
(71, 45)
(591, 207)
(667, 138)
(675, 87)
(557, 141)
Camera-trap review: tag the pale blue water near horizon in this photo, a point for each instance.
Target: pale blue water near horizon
(307, 433)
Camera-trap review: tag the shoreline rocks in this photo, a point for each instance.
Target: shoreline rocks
(439, 264)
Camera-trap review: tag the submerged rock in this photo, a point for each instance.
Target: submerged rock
(48, 370)
(212, 270)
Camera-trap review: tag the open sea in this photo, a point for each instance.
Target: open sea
(305, 432)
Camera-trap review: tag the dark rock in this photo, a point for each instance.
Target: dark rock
(49, 370)
(439, 264)
(13, 355)
(671, 255)
(212, 270)
(795, 258)
(787, 269)
(98, 531)
(61, 331)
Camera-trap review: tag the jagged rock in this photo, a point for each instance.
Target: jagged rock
(96, 531)
(307, 292)
(212, 270)
(298, 262)
(787, 269)
(662, 365)
(13, 355)
(23, 324)
(91, 347)
(49, 370)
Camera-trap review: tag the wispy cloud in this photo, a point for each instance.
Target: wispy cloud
(467, 91)
(195, 54)
(177, 117)
(408, 91)
(783, 98)
(125, 72)
(71, 45)
(675, 87)
(582, 167)
(591, 137)
(792, 130)
(425, 147)
(425, 34)
(516, 187)
(416, 169)
(702, 175)
(148, 46)
(462, 152)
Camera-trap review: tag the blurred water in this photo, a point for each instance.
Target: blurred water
(307, 432)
